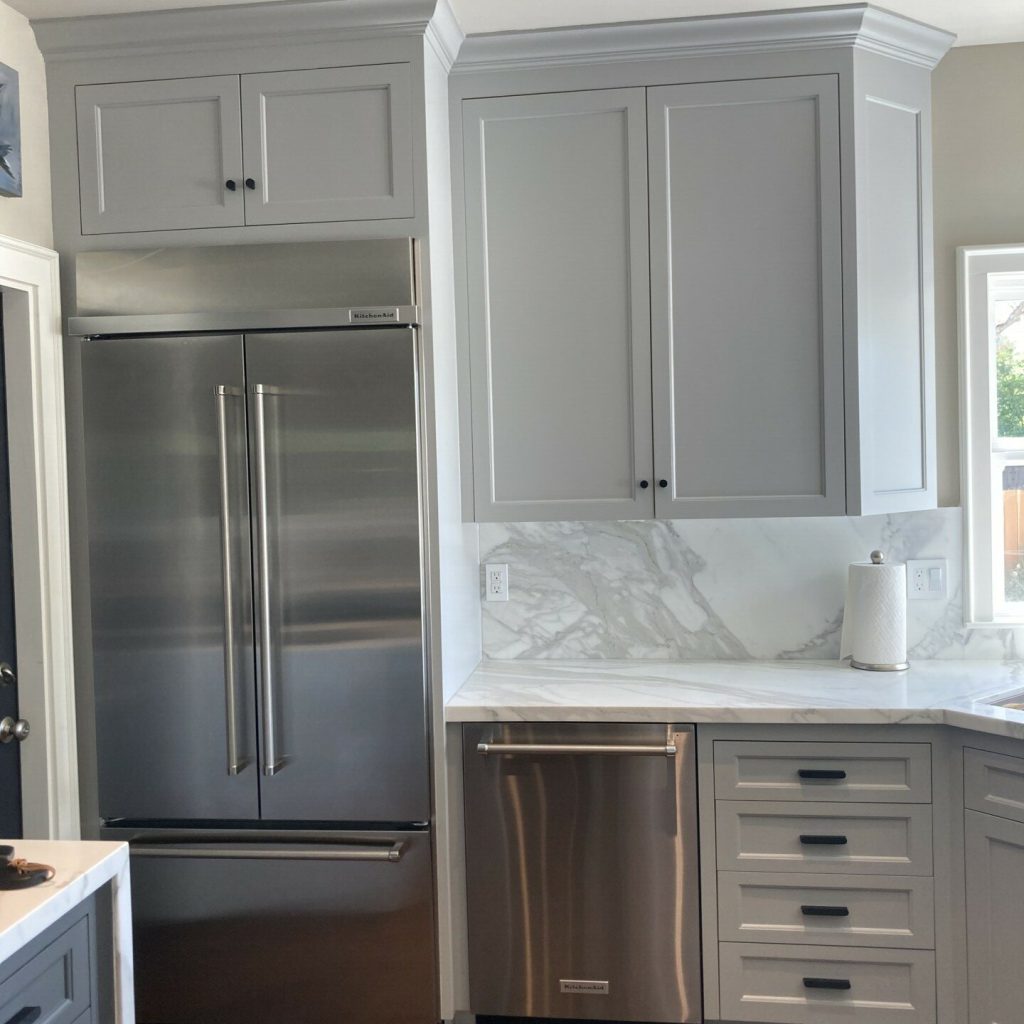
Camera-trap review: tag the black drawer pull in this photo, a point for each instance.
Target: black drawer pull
(838, 984)
(822, 773)
(823, 840)
(27, 1015)
(811, 911)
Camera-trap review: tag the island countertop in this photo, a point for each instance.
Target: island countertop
(756, 692)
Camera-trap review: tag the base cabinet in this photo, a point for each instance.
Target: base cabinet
(995, 918)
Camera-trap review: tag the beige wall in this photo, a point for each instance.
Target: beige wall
(978, 118)
(28, 218)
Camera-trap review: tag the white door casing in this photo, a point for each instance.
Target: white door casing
(39, 528)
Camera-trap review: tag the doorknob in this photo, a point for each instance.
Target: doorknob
(7, 676)
(11, 729)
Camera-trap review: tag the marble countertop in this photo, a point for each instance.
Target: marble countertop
(81, 868)
(944, 692)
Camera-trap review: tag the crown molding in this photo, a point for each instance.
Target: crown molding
(852, 25)
(445, 35)
(241, 25)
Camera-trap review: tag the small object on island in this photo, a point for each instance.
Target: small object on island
(16, 873)
(875, 619)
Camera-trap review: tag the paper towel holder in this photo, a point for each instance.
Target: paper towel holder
(878, 558)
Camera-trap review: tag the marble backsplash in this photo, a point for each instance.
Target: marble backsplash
(704, 589)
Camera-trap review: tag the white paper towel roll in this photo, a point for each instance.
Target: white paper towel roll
(875, 620)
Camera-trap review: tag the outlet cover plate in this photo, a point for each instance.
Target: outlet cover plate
(496, 581)
(926, 579)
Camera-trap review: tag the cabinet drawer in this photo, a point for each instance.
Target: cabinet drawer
(55, 982)
(855, 772)
(838, 910)
(994, 783)
(788, 984)
(755, 836)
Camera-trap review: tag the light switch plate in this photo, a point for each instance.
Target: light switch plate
(926, 579)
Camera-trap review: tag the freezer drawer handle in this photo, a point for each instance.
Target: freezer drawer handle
(838, 984)
(813, 911)
(236, 763)
(392, 853)
(822, 773)
(271, 763)
(666, 750)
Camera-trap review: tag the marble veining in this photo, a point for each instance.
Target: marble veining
(749, 589)
(946, 692)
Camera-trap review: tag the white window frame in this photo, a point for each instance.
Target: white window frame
(982, 271)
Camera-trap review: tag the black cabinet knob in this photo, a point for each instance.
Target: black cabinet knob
(663, 483)
(250, 183)
(231, 184)
(644, 485)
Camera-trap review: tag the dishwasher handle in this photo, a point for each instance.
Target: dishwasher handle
(633, 750)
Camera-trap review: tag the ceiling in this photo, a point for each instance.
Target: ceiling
(973, 21)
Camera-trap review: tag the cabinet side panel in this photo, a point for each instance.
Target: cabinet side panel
(894, 345)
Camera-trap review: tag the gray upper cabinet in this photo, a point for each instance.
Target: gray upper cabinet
(995, 918)
(747, 298)
(328, 144)
(157, 155)
(332, 144)
(787, 214)
(557, 268)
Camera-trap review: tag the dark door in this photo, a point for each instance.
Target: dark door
(336, 529)
(10, 760)
(170, 578)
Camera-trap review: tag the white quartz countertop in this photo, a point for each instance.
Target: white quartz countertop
(81, 868)
(767, 692)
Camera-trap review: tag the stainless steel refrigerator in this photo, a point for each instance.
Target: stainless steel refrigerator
(252, 471)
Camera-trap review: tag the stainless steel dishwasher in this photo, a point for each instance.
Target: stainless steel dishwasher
(581, 859)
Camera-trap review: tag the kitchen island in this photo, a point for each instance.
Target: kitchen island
(30, 918)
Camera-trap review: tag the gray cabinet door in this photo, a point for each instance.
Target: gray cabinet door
(557, 275)
(329, 144)
(155, 155)
(995, 918)
(746, 298)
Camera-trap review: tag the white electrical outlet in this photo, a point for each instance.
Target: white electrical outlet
(496, 581)
(926, 579)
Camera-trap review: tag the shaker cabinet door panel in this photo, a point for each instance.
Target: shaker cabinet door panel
(995, 918)
(746, 298)
(558, 316)
(159, 155)
(330, 144)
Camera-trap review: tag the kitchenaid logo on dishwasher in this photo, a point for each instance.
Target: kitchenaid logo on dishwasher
(568, 986)
(364, 316)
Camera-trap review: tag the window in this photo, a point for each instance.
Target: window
(992, 428)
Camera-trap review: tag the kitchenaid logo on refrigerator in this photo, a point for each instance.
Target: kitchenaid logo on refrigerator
(569, 986)
(373, 316)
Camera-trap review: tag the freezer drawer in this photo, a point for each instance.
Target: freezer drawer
(334, 929)
(581, 848)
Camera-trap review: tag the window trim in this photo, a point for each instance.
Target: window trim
(975, 264)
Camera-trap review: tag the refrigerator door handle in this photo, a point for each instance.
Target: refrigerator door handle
(236, 762)
(391, 853)
(271, 763)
